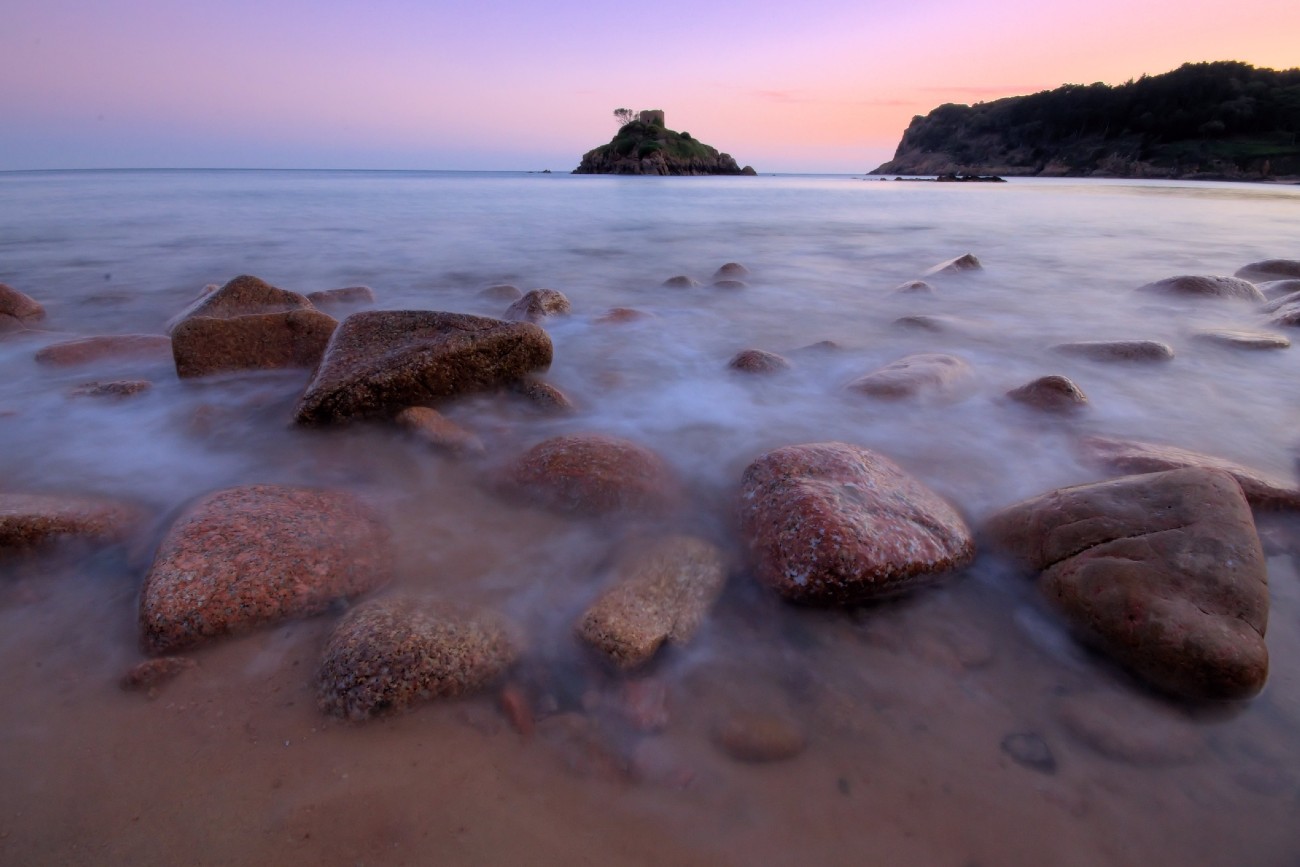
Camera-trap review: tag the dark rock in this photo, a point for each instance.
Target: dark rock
(730, 284)
(619, 315)
(755, 736)
(1117, 350)
(250, 556)
(389, 654)
(1130, 728)
(1288, 316)
(914, 287)
(117, 347)
(926, 375)
(593, 474)
(836, 523)
(681, 281)
(438, 432)
(758, 361)
(537, 304)
(119, 388)
(966, 262)
(30, 521)
(501, 292)
(935, 324)
(17, 310)
(1280, 288)
(1051, 394)
(1283, 302)
(243, 296)
(154, 673)
(1163, 572)
(379, 362)
(344, 295)
(1270, 269)
(1195, 286)
(1031, 751)
(544, 396)
(1243, 339)
(203, 345)
(1130, 456)
(661, 592)
(731, 270)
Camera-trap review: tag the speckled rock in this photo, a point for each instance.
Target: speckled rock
(151, 674)
(250, 556)
(17, 310)
(379, 362)
(243, 296)
(759, 736)
(681, 281)
(1162, 572)
(914, 287)
(1117, 350)
(1131, 456)
(389, 654)
(836, 523)
(730, 270)
(29, 521)
(592, 474)
(202, 345)
(1130, 728)
(758, 361)
(661, 593)
(1054, 393)
(112, 348)
(544, 397)
(538, 304)
(1270, 269)
(501, 292)
(926, 375)
(1196, 286)
(1243, 339)
(967, 262)
(118, 388)
(438, 432)
(342, 296)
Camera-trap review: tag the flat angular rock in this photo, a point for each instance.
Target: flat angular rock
(257, 555)
(1117, 350)
(390, 654)
(836, 523)
(30, 521)
(243, 296)
(925, 375)
(115, 347)
(18, 310)
(379, 362)
(1243, 339)
(661, 593)
(438, 431)
(1162, 572)
(538, 304)
(594, 474)
(758, 361)
(1196, 286)
(1131, 456)
(966, 262)
(1054, 393)
(1270, 269)
(202, 345)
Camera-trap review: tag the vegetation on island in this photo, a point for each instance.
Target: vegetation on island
(1224, 120)
(643, 145)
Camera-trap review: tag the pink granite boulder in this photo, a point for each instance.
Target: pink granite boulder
(243, 296)
(839, 524)
(17, 310)
(32, 521)
(593, 474)
(202, 345)
(257, 555)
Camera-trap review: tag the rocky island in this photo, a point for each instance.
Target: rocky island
(1209, 121)
(645, 146)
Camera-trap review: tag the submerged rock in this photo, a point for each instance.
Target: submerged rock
(538, 304)
(501, 292)
(118, 388)
(1052, 393)
(681, 281)
(731, 270)
(18, 310)
(914, 287)
(662, 591)
(1162, 572)
(620, 315)
(966, 262)
(389, 654)
(256, 555)
(1279, 288)
(341, 296)
(730, 284)
(594, 474)
(1195, 286)
(836, 523)
(116, 347)
(1117, 350)
(544, 397)
(31, 521)
(1270, 269)
(1243, 339)
(925, 375)
(439, 432)
(203, 345)
(758, 736)
(758, 361)
(1130, 728)
(1030, 750)
(154, 673)
(379, 362)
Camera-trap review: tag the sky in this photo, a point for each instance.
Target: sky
(818, 86)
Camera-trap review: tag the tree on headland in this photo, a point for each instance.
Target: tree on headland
(624, 116)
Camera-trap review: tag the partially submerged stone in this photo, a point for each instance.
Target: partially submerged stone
(543, 396)
(730, 284)
(18, 310)
(1163, 572)
(730, 270)
(1117, 350)
(243, 296)
(966, 262)
(501, 292)
(379, 362)
(438, 432)
(257, 555)
(758, 361)
(925, 375)
(620, 315)
(837, 523)
(111, 348)
(759, 736)
(538, 304)
(32, 521)
(1270, 269)
(116, 389)
(681, 281)
(202, 346)
(1197, 286)
(1279, 288)
(342, 295)
(1238, 339)
(1130, 456)
(661, 592)
(914, 287)
(390, 654)
(1052, 393)
(594, 474)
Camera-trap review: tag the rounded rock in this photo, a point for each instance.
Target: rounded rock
(1196, 286)
(758, 361)
(592, 474)
(1270, 269)
(538, 304)
(1052, 393)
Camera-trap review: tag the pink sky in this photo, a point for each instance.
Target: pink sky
(823, 86)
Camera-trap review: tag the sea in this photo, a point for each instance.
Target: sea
(961, 726)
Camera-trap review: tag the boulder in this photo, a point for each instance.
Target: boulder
(1129, 456)
(1117, 350)
(1280, 288)
(1270, 269)
(17, 310)
(1195, 286)
(344, 295)
(32, 521)
(681, 281)
(914, 287)
(538, 304)
(926, 375)
(257, 555)
(1283, 302)
(1287, 316)
(730, 270)
(390, 654)
(1234, 339)
(544, 397)
(242, 296)
(110, 348)
(1162, 572)
(204, 345)
(1052, 393)
(836, 523)
(662, 591)
(379, 362)
(592, 474)
(438, 432)
(966, 262)
(758, 361)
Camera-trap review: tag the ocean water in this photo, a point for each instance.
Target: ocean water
(905, 706)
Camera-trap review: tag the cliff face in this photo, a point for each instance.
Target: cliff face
(1207, 120)
(646, 147)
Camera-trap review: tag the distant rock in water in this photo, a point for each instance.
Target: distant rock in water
(646, 147)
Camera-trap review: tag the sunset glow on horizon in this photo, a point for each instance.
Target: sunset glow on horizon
(826, 87)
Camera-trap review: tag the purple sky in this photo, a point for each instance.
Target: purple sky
(828, 85)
